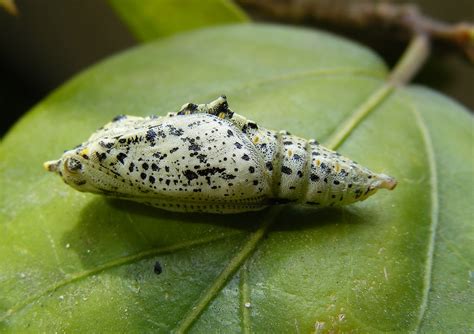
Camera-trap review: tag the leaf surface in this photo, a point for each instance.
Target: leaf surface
(399, 261)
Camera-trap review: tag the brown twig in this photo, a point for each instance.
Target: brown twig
(404, 17)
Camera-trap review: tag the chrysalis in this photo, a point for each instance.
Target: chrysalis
(206, 158)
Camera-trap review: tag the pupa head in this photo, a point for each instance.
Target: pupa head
(75, 168)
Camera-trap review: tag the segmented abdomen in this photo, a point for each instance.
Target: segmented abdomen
(306, 172)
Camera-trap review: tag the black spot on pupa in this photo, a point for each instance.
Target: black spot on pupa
(101, 156)
(121, 156)
(287, 142)
(151, 179)
(226, 176)
(299, 173)
(154, 167)
(229, 133)
(150, 135)
(106, 145)
(210, 171)
(143, 176)
(314, 177)
(122, 140)
(202, 158)
(252, 125)
(245, 157)
(336, 182)
(175, 131)
(190, 175)
(114, 172)
(255, 182)
(286, 170)
(118, 118)
(194, 147)
(343, 173)
(145, 166)
(238, 145)
(174, 149)
(252, 169)
(269, 166)
(130, 168)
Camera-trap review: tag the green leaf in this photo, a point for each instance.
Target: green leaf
(150, 19)
(400, 261)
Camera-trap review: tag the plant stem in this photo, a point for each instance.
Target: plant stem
(391, 17)
(411, 61)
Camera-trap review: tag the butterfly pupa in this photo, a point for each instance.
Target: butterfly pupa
(206, 158)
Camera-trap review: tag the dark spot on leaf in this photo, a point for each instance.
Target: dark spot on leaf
(157, 269)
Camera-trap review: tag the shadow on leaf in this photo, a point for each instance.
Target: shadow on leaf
(301, 218)
(110, 229)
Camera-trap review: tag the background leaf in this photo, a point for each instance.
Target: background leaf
(150, 19)
(399, 261)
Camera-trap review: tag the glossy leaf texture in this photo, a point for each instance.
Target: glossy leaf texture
(150, 19)
(399, 261)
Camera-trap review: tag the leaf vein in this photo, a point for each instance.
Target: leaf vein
(244, 299)
(428, 142)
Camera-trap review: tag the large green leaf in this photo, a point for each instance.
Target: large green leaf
(150, 19)
(399, 261)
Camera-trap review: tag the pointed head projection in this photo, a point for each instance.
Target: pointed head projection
(378, 181)
(76, 169)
